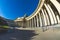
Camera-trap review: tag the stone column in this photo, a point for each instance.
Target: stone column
(27, 23)
(37, 20)
(55, 21)
(40, 20)
(47, 18)
(44, 18)
(30, 22)
(49, 12)
(34, 22)
(56, 4)
(58, 18)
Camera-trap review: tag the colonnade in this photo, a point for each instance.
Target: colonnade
(49, 14)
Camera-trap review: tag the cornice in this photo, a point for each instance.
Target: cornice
(40, 4)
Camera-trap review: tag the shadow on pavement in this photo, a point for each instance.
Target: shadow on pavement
(18, 35)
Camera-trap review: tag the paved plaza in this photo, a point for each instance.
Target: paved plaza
(31, 34)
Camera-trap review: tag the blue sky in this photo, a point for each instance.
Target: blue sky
(11, 9)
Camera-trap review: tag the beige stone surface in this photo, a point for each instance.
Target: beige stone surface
(31, 34)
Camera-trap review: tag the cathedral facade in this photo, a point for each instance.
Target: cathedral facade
(47, 13)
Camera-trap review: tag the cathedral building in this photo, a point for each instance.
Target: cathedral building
(47, 13)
